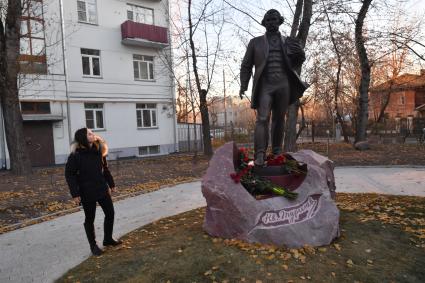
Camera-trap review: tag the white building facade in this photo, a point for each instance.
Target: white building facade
(101, 64)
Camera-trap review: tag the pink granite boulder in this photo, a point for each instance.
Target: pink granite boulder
(232, 212)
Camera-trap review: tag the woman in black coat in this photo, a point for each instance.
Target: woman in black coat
(91, 182)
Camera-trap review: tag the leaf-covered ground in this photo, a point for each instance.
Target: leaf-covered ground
(379, 154)
(382, 240)
(45, 192)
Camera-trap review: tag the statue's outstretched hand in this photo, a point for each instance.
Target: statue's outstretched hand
(241, 93)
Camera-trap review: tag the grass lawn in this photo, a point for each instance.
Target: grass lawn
(382, 240)
(379, 154)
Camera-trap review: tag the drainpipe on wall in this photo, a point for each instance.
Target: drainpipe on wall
(68, 107)
(173, 89)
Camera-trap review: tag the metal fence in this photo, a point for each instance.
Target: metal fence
(229, 133)
(190, 137)
(399, 130)
(403, 130)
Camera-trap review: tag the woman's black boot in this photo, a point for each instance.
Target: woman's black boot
(111, 242)
(108, 227)
(95, 250)
(91, 237)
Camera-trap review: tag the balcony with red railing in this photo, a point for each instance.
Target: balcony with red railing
(138, 34)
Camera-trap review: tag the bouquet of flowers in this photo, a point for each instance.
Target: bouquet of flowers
(258, 185)
(290, 164)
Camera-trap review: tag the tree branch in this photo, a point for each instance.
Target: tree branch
(305, 22)
(296, 20)
(243, 12)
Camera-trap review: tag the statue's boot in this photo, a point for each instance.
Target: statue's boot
(259, 159)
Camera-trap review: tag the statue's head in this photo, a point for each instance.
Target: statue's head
(272, 20)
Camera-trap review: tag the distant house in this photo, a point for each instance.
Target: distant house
(407, 97)
(232, 111)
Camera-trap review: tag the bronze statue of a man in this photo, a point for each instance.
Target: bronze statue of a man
(276, 83)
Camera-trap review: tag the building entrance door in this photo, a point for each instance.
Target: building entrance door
(39, 141)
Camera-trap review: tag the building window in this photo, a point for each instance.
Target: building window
(94, 116)
(143, 67)
(149, 150)
(35, 107)
(139, 14)
(146, 115)
(87, 12)
(91, 62)
(32, 58)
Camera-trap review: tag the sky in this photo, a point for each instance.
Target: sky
(418, 5)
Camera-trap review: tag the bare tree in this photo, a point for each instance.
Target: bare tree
(303, 29)
(362, 113)
(337, 86)
(388, 48)
(209, 68)
(388, 65)
(10, 27)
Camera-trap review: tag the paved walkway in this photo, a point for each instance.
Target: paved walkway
(382, 180)
(45, 251)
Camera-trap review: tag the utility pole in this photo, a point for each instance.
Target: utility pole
(225, 111)
(187, 102)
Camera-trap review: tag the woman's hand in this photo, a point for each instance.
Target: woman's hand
(77, 200)
(111, 190)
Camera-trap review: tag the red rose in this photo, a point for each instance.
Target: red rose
(280, 159)
(236, 177)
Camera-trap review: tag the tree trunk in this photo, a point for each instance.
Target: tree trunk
(343, 127)
(362, 115)
(195, 133)
(202, 92)
(297, 16)
(386, 102)
(313, 131)
(290, 140)
(205, 123)
(386, 96)
(303, 124)
(292, 115)
(9, 52)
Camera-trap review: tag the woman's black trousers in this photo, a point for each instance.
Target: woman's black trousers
(90, 213)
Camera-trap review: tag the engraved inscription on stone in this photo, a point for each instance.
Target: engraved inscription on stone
(291, 215)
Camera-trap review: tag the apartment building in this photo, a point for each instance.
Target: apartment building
(101, 64)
